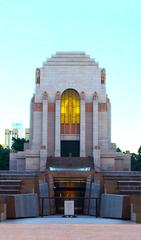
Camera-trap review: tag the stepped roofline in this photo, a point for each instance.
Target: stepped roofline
(71, 58)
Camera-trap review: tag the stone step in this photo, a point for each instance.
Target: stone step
(128, 186)
(130, 190)
(129, 181)
(9, 191)
(14, 175)
(9, 186)
(124, 182)
(9, 182)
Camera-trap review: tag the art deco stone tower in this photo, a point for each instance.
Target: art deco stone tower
(71, 115)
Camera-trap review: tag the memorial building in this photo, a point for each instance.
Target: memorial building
(70, 119)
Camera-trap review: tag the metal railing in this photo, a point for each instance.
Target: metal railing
(97, 202)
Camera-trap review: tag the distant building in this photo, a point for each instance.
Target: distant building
(7, 138)
(9, 134)
(16, 131)
(27, 133)
(19, 128)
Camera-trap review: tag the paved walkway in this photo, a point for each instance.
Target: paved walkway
(69, 232)
(80, 228)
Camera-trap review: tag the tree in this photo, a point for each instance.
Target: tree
(136, 161)
(118, 150)
(1, 147)
(18, 144)
(4, 158)
(139, 152)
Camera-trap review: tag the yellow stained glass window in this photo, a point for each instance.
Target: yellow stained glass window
(70, 107)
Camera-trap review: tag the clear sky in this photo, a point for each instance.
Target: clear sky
(110, 31)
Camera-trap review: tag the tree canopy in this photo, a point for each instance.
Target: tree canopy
(136, 161)
(4, 158)
(18, 144)
(118, 150)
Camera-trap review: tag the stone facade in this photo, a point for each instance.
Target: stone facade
(79, 72)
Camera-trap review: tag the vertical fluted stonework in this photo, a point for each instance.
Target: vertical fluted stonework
(57, 125)
(44, 120)
(82, 125)
(96, 149)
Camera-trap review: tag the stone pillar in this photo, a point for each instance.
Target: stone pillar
(57, 125)
(109, 118)
(82, 125)
(37, 124)
(36, 118)
(43, 151)
(44, 120)
(31, 120)
(96, 148)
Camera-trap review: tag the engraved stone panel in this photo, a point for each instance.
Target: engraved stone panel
(44, 201)
(69, 208)
(22, 205)
(94, 196)
(115, 206)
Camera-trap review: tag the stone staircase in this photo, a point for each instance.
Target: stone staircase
(10, 186)
(11, 182)
(123, 182)
(128, 186)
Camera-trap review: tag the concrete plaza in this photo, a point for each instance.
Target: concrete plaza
(58, 228)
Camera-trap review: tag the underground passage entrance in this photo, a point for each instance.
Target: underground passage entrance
(70, 148)
(69, 189)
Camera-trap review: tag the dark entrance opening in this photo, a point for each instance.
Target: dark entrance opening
(70, 148)
(70, 189)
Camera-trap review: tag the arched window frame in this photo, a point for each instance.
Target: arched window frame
(70, 107)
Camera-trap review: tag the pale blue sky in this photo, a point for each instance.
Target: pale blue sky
(110, 31)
